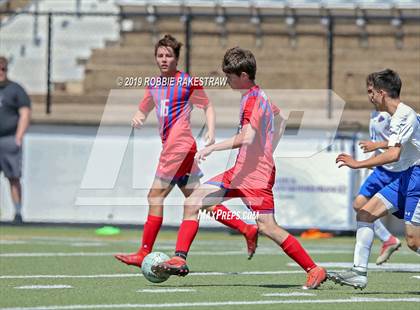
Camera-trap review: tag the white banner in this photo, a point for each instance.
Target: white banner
(309, 192)
(313, 193)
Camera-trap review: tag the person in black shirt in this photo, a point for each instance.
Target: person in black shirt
(15, 114)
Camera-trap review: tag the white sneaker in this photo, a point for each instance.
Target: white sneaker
(353, 277)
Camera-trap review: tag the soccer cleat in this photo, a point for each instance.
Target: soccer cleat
(18, 219)
(134, 259)
(388, 247)
(352, 277)
(315, 277)
(251, 237)
(176, 266)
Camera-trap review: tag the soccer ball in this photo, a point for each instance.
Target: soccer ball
(150, 260)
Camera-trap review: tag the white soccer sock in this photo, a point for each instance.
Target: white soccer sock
(18, 208)
(364, 241)
(380, 231)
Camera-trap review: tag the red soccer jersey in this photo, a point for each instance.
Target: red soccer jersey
(173, 103)
(254, 167)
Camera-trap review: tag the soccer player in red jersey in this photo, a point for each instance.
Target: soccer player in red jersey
(251, 178)
(173, 98)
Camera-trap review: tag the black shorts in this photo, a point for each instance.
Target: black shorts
(10, 157)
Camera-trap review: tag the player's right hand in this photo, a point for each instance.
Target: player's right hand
(202, 154)
(138, 120)
(346, 160)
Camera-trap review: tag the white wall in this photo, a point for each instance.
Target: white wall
(55, 165)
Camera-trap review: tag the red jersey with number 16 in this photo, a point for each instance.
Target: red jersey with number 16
(173, 103)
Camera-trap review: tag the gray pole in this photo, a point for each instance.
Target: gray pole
(187, 42)
(48, 103)
(330, 77)
(35, 29)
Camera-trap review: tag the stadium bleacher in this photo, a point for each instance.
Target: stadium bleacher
(291, 52)
(24, 41)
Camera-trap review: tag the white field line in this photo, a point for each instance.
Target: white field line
(169, 245)
(78, 243)
(88, 244)
(287, 294)
(167, 290)
(416, 277)
(67, 240)
(54, 254)
(12, 242)
(131, 275)
(72, 244)
(219, 304)
(40, 287)
(390, 267)
(200, 253)
(65, 276)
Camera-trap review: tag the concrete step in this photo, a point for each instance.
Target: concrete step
(281, 38)
(205, 46)
(121, 115)
(66, 98)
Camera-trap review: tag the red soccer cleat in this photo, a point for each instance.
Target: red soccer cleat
(388, 247)
(251, 237)
(315, 277)
(176, 266)
(134, 259)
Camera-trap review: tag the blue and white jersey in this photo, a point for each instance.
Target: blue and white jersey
(379, 126)
(404, 129)
(379, 131)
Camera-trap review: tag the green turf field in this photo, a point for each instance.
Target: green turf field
(72, 268)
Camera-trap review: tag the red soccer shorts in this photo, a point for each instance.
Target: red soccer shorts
(177, 168)
(256, 199)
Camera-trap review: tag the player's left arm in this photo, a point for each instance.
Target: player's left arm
(392, 154)
(279, 127)
(211, 124)
(24, 111)
(200, 99)
(370, 146)
(245, 137)
(23, 124)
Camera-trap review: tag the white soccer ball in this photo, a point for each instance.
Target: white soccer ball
(150, 260)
